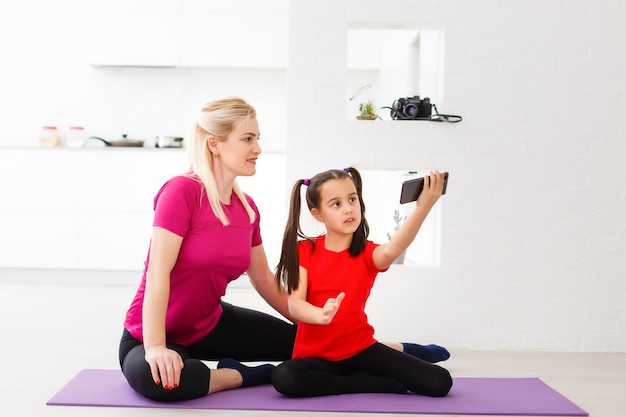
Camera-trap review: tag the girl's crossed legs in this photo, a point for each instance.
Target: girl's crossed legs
(376, 369)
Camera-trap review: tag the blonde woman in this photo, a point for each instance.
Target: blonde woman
(205, 234)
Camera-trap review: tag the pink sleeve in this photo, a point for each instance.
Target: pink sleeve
(256, 226)
(173, 204)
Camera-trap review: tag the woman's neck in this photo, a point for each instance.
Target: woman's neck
(224, 182)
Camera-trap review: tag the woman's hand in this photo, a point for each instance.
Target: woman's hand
(165, 366)
(330, 308)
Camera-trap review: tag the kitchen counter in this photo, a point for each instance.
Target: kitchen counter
(80, 208)
(98, 148)
(91, 208)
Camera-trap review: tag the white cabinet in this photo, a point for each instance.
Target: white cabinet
(80, 209)
(238, 34)
(133, 38)
(92, 209)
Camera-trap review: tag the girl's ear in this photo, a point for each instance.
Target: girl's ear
(317, 214)
(211, 143)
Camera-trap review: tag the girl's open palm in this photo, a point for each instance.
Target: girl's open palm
(330, 308)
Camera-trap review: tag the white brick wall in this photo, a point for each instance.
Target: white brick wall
(534, 232)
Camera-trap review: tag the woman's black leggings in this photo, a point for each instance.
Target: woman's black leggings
(242, 334)
(376, 369)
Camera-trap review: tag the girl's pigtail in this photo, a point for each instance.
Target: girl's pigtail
(359, 238)
(287, 271)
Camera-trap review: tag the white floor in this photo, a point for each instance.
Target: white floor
(50, 332)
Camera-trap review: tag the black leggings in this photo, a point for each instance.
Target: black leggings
(242, 334)
(376, 369)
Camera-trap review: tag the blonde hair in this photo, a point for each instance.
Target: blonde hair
(217, 118)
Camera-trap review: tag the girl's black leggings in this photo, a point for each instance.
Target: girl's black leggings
(242, 334)
(376, 369)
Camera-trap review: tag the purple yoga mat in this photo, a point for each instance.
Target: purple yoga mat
(469, 396)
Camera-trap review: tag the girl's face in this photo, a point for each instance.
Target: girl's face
(339, 207)
(241, 149)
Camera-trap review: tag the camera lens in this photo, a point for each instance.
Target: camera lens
(410, 110)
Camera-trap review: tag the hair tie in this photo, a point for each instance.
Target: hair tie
(306, 182)
(346, 170)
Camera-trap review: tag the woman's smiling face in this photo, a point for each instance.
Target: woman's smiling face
(241, 149)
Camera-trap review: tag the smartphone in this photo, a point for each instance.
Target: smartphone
(411, 189)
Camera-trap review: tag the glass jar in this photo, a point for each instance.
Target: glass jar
(49, 136)
(75, 137)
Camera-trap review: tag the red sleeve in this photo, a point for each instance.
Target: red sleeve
(369, 256)
(305, 247)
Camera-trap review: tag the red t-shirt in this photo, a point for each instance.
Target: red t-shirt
(211, 255)
(328, 274)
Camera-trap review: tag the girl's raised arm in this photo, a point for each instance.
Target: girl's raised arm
(385, 254)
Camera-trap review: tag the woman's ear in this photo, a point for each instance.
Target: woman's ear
(211, 143)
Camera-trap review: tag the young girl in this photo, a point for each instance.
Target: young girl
(329, 279)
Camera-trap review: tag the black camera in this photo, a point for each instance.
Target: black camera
(411, 108)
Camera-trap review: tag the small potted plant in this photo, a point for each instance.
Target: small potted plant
(397, 222)
(367, 111)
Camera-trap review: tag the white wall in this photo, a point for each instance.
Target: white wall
(533, 225)
(533, 230)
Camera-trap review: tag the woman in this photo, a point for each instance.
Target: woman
(205, 234)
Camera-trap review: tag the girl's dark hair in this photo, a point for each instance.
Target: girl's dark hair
(287, 271)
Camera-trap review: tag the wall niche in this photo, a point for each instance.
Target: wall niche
(386, 62)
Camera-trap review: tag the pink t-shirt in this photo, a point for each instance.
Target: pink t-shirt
(211, 255)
